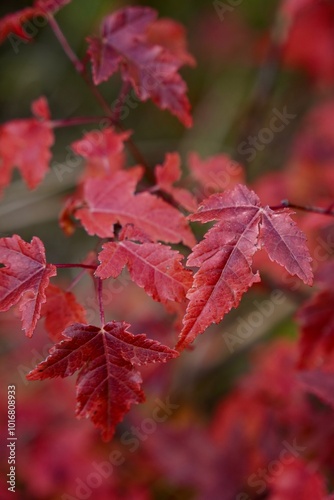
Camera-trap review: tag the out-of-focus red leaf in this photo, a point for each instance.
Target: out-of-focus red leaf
(50, 6)
(297, 480)
(153, 266)
(216, 173)
(26, 144)
(172, 36)
(313, 54)
(103, 150)
(14, 23)
(225, 255)
(112, 199)
(320, 383)
(24, 278)
(152, 70)
(291, 8)
(167, 174)
(107, 384)
(316, 321)
(60, 310)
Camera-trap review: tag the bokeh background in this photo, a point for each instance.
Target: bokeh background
(252, 58)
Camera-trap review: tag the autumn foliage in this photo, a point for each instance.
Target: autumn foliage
(198, 236)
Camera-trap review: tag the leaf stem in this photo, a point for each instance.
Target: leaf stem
(79, 120)
(82, 266)
(99, 295)
(307, 208)
(66, 46)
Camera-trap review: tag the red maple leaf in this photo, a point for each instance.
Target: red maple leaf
(152, 70)
(153, 266)
(111, 199)
(60, 310)
(169, 173)
(25, 144)
(107, 384)
(216, 173)
(225, 255)
(24, 278)
(103, 150)
(172, 36)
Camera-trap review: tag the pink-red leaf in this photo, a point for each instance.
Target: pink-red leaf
(24, 278)
(169, 173)
(225, 255)
(112, 200)
(153, 266)
(107, 384)
(26, 144)
(151, 69)
(216, 173)
(172, 36)
(60, 310)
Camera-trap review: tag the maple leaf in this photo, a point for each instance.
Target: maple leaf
(26, 145)
(152, 70)
(103, 149)
(169, 173)
(110, 200)
(153, 266)
(24, 278)
(172, 36)
(60, 310)
(107, 383)
(224, 257)
(216, 173)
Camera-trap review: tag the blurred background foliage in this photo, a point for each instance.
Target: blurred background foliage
(224, 87)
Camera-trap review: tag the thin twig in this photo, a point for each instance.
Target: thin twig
(306, 208)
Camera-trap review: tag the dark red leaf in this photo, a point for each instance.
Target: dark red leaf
(152, 70)
(107, 384)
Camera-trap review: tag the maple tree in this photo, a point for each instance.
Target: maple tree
(191, 243)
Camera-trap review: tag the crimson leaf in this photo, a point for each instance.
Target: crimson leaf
(152, 70)
(107, 384)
